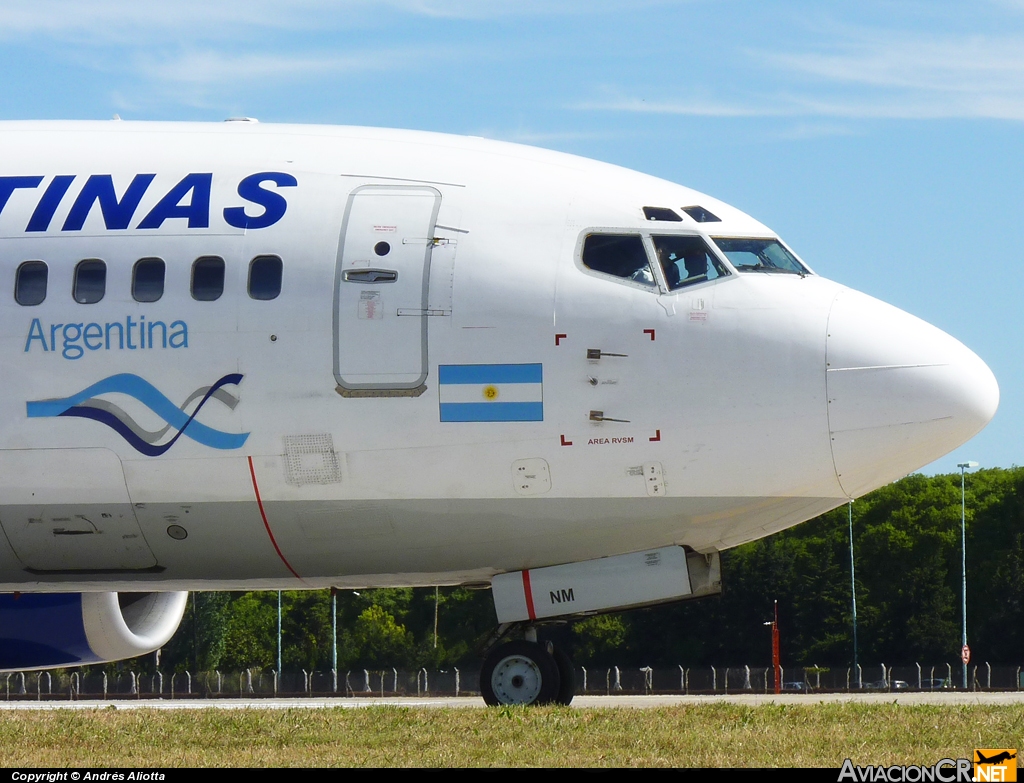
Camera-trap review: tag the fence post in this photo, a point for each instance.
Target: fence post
(134, 690)
(608, 682)
(860, 676)
(585, 678)
(648, 680)
(160, 683)
(39, 686)
(394, 682)
(334, 680)
(918, 674)
(1019, 683)
(949, 674)
(885, 680)
(305, 682)
(974, 678)
(682, 678)
(104, 685)
(726, 679)
(618, 680)
(73, 685)
(847, 678)
(714, 680)
(426, 682)
(456, 681)
(988, 681)
(817, 677)
(746, 679)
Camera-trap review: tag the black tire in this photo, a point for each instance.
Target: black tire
(519, 673)
(566, 677)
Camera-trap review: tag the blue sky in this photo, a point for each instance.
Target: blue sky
(884, 141)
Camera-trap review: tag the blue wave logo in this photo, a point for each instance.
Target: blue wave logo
(87, 405)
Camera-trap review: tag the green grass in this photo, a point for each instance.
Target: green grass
(705, 735)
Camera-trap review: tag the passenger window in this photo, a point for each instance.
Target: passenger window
(208, 278)
(148, 280)
(30, 283)
(687, 260)
(265, 277)
(620, 255)
(90, 281)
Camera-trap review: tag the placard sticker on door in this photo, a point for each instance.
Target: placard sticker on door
(370, 306)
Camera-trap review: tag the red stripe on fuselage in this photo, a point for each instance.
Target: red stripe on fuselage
(528, 593)
(266, 524)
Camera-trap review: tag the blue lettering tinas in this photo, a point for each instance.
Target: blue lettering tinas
(116, 214)
(197, 210)
(274, 204)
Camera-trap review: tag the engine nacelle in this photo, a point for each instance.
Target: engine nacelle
(51, 630)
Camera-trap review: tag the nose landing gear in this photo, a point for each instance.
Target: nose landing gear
(527, 672)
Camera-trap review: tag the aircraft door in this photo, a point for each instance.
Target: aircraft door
(381, 290)
(83, 521)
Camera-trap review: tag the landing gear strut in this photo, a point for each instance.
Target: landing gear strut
(527, 672)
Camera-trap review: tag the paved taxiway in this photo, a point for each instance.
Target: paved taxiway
(603, 702)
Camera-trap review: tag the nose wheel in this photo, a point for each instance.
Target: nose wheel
(524, 672)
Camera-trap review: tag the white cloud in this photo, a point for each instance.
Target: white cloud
(971, 64)
(213, 67)
(125, 19)
(682, 106)
(864, 74)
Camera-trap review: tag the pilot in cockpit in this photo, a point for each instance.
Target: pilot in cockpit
(695, 262)
(696, 266)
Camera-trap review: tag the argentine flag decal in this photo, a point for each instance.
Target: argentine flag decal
(491, 392)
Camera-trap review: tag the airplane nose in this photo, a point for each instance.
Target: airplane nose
(901, 393)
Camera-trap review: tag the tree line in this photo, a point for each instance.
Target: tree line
(907, 559)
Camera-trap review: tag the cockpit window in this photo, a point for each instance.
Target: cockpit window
(702, 215)
(661, 213)
(760, 255)
(620, 255)
(687, 260)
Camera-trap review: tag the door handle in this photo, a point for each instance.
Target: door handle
(370, 276)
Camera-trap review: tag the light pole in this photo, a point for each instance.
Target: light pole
(776, 663)
(853, 596)
(964, 652)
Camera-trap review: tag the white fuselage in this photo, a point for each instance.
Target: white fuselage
(745, 404)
